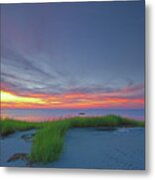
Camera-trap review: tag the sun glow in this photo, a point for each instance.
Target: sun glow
(8, 97)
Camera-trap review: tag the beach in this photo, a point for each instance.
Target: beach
(90, 148)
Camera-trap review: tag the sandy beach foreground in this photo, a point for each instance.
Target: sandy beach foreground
(120, 148)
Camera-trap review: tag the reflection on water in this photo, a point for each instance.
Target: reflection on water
(54, 114)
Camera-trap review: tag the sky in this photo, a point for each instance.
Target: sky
(72, 55)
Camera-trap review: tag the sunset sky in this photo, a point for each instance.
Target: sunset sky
(72, 55)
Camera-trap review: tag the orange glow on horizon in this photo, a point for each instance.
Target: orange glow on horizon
(67, 100)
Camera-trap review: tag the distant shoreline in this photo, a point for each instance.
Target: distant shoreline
(54, 114)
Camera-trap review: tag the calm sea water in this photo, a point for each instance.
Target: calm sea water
(52, 114)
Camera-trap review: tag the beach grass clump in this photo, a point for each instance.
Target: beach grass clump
(9, 126)
(126, 122)
(48, 142)
(109, 120)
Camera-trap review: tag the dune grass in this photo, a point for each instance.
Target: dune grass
(110, 120)
(9, 126)
(47, 144)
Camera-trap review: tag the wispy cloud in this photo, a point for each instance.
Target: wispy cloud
(73, 56)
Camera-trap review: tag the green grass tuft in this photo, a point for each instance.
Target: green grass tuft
(8, 126)
(48, 142)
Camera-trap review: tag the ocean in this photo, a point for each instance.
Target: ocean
(54, 114)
